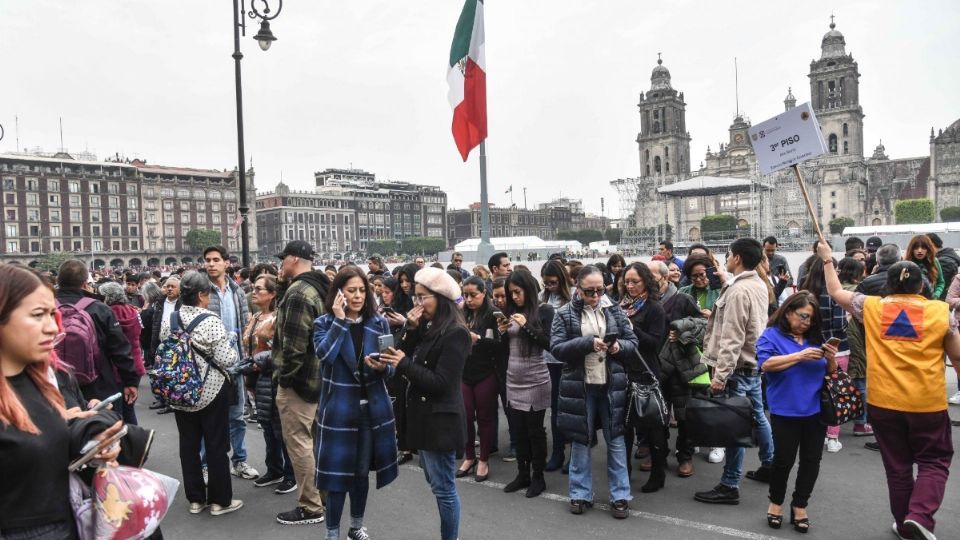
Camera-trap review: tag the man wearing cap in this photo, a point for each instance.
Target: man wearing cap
(873, 244)
(296, 373)
(230, 303)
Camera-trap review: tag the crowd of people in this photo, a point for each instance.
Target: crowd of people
(350, 371)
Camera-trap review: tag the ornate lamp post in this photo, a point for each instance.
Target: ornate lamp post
(265, 38)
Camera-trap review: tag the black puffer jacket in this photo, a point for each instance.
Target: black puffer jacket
(570, 346)
(263, 392)
(680, 362)
(949, 265)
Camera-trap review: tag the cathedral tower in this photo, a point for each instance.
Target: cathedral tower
(663, 140)
(835, 96)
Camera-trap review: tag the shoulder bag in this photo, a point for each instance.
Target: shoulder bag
(840, 401)
(646, 409)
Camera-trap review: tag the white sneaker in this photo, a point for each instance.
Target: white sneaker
(196, 508)
(833, 445)
(217, 510)
(716, 455)
(954, 399)
(242, 470)
(917, 531)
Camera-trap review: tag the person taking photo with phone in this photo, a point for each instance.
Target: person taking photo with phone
(355, 431)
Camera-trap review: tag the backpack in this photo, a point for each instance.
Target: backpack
(79, 348)
(175, 378)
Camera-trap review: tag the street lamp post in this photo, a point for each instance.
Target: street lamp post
(265, 38)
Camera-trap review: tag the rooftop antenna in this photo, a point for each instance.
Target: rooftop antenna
(736, 84)
(61, 135)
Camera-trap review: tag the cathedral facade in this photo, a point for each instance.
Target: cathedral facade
(844, 182)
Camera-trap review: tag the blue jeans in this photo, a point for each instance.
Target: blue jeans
(238, 426)
(361, 482)
(741, 385)
(439, 468)
(861, 385)
(581, 478)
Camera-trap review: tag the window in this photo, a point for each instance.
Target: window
(231, 208)
(166, 193)
(153, 245)
(75, 200)
(95, 230)
(215, 206)
(150, 205)
(115, 245)
(183, 193)
(53, 199)
(215, 219)
(33, 214)
(666, 151)
(201, 206)
(55, 230)
(202, 219)
(10, 199)
(134, 230)
(33, 184)
(9, 183)
(12, 230)
(98, 245)
(198, 194)
(53, 185)
(114, 230)
(846, 147)
(132, 189)
(34, 247)
(56, 245)
(74, 187)
(134, 245)
(13, 246)
(656, 164)
(230, 195)
(214, 194)
(95, 216)
(169, 230)
(114, 216)
(133, 216)
(94, 200)
(184, 205)
(169, 245)
(832, 143)
(94, 187)
(76, 231)
(667, 165)
(168, 216)
(168, 205)
(845, 131)
(133, 202)
(148, 192)
(77, 245)
(33, 199)
(113, 188)
(151, 217)
(184, 217)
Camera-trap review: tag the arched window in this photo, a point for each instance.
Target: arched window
(667, 165)
(648, 169)
(656, 164)
(845, 130)
(656, 127)
(666, 151)
(846, 147)
(832, 143)
(646, 155)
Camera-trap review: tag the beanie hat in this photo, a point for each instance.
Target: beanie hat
(438, 281)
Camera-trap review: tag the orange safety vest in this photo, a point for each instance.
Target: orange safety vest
(905, 369)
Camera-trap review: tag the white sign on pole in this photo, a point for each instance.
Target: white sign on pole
(787, 139)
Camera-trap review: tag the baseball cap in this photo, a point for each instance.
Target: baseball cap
(297, 248)
(874, 243)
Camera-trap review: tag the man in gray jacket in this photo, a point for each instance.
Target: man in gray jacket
(730, 348)
(228, 301)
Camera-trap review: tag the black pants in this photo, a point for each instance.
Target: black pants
(684, 448)
(656, 439)
(790, 435)
(210, 425)
(531, 437)
(556, 370)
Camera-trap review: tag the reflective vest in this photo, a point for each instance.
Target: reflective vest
(905, 368)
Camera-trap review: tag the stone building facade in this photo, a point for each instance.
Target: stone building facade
(844, 182)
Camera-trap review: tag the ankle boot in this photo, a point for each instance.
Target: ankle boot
(537, 484)
(522, 480)
(658, 472)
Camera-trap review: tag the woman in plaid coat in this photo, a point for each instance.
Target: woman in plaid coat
(355, 424)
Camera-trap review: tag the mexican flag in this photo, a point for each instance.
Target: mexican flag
(468, 79)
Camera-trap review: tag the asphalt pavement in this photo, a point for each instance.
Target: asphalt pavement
(849, 502)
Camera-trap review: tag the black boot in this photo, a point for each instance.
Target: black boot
(537, 484)
(522, 480)
(658, 471)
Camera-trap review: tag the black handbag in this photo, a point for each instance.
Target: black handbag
(646, 408)
(840, 401)
(720, 422)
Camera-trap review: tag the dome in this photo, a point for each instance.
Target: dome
(790, 95)
(833, 43)
(660, 77)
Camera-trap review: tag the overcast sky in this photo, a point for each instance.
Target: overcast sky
(362, 83)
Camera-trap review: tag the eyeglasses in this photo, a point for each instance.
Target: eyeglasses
(418, 298)
(260, 289)
(592, 292)
(551, 283)
(802, 316)
(698, 275)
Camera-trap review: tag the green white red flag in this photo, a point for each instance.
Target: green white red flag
(468, 79)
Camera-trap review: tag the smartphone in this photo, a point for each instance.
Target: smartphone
(374, 356)
(92, 448)
(713, 278)
(499, 315)
(610, 339)
(344, 298)
(387, 309)
(384, 342)
(103, 404)
(833, 341)
(779, 269)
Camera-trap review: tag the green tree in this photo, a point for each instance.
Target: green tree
(718, 226)
(613, 235)
(381, 247)
(910, 211)
(200, 239)
(950, 214)
(837, 225)
(423, 245)
(52, 261)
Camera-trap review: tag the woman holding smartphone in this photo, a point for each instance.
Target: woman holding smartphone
(431, 356)
(527, 331)
(479, 385)
(355, 431)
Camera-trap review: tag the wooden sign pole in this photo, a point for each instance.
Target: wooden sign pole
(806, 199)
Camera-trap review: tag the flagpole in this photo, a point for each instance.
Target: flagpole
(485, 248)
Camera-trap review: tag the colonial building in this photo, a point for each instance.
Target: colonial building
(562, 214)
(347, 209)
(668, 201)
(111, 213)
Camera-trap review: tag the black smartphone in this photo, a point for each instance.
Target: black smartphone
(779, 269)
(374, 356)
(713, 278)
(499, 315)
(387, 309)
(610, 339)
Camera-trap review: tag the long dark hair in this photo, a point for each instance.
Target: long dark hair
(402, 301)
(928, 264)
(797, 301)
(531, 305)
(850, 270)
(555, 268)
(475, 316)
(815, 281)
(646, 276)
(340, 281)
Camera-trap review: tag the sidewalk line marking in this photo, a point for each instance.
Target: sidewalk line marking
(680, 522)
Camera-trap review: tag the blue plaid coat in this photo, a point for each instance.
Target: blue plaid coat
(336, 438)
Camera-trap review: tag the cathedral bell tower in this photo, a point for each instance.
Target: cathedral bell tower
(663, 141)
(835, 96)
